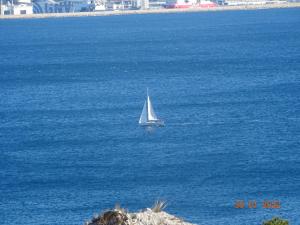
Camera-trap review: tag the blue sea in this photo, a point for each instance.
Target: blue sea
(227, 85)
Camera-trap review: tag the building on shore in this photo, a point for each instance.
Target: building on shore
(17, 7)
(144, 4)
(190, 4)
(157, 4)
(100, 5)
(127, 4)
(63, 6)
(117, 5)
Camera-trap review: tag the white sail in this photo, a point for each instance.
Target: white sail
(144, 117)
(151, 113)
(148, 116)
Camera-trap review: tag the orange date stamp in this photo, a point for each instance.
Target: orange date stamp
(252, 204)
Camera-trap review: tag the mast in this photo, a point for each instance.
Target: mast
(147, 104)
(147, 92)
(150, 110)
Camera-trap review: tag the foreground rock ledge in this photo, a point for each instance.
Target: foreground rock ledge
(146, 217)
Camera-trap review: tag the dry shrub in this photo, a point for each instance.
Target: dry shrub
(159, 206)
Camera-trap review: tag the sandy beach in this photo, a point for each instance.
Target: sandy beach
(151, 11)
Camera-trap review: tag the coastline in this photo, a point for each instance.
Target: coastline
(152, 11)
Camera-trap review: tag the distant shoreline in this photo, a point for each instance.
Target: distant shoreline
(152, 11)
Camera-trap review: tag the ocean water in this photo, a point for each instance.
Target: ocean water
(227, 85)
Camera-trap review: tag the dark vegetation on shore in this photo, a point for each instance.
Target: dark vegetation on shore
(276, 221)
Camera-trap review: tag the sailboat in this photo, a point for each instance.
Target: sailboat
(148, 116)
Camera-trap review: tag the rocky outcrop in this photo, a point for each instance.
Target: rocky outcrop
(154, 216)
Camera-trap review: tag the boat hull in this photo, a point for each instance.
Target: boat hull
(156, 123)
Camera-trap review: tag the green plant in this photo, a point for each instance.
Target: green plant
(276, 221)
